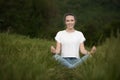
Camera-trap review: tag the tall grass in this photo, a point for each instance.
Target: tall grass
(22, 58)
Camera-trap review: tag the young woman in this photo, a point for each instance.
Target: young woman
(68, 44)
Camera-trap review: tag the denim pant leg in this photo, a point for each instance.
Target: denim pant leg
(81, 60)
(62, 61)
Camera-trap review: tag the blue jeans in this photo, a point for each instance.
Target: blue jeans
(70, 62)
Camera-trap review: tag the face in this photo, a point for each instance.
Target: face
(70, 21)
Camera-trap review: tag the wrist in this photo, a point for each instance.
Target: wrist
(57, 52)
(88, 52)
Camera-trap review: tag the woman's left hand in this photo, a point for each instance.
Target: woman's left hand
(93, 50)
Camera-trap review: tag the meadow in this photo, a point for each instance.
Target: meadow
(23, 58)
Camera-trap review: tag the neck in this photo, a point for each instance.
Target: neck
(70, 30)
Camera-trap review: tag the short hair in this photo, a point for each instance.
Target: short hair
(67, 14)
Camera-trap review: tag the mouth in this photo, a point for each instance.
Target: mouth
(70, 25)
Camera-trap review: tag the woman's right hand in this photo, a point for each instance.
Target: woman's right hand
(53, 50)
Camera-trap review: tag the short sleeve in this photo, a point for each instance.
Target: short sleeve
(58, 37)
(82, 38)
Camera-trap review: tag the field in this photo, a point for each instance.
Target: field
(23, 58)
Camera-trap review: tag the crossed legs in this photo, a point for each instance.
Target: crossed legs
(70, 62)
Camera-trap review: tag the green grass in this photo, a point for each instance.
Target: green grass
(22, 58)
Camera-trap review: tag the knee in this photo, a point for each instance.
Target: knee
(56, 56)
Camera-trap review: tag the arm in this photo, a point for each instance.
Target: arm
(57, 49)
(84, 51)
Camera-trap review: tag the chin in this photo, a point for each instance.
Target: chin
(70, 27)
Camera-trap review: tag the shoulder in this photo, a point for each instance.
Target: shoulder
(79, 32)
(58, 35)
(80, 36)
(61, 32)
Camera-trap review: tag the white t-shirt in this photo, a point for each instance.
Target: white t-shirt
(70, 42)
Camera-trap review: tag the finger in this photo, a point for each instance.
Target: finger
(94, 48)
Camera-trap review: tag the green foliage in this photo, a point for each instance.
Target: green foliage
(43, 18)
(27, 17)
(93, 16)
(22, 58)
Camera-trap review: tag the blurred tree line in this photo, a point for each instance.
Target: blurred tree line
(43, 18)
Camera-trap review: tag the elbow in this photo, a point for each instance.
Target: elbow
(83, 51)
